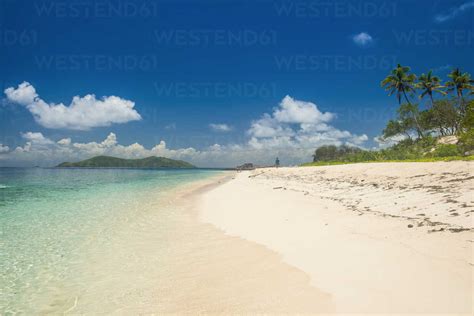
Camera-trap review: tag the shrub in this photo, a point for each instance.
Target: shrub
(468, 120)
(360, 156)
(466, 141)
(428, 142)
(447, 150)
(331, 152)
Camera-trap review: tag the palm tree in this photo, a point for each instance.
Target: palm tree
(400, 81)
(429, 84)
(460, 82)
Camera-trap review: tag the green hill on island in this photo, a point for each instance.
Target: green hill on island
(114, 162)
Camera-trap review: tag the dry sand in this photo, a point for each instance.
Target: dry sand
(371, 238)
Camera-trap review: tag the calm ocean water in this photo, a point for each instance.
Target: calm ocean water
(49, 216)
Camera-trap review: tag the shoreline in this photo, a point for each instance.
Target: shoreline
(377, 228)
(246, 277)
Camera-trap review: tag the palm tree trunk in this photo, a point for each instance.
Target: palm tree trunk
(406, 98)
(418, 127)
(463, 103)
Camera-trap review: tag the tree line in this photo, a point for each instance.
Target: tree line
(444, 116)
(449, 110)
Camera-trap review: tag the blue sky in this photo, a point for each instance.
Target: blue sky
(209, 78)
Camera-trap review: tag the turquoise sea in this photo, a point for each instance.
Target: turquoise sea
(55, 222)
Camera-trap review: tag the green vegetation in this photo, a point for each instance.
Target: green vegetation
(422, 133)
(113, 162)
(334, 163)
(333, 153)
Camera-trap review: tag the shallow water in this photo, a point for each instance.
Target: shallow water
(56, 223)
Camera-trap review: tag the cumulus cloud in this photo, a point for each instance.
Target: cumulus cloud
(4, 149)
(220, 127)
(292, 131)
(294, 111)
(454, 12)
(267, 127)
(83, 113)
(25, 93)
(298, 125)
(64, 141)
(37, 138)
(290, 111)
(362, 39)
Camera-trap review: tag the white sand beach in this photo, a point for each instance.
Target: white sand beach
(374, 238)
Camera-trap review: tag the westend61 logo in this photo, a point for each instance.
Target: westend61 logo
(364, 114)
(216, 89)
(215, 37)
(97, 9)
(429, 37)
(336, 9)
(97, 62)
(9, 38)
(334, 63)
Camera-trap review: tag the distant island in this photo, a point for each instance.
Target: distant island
(114, 162)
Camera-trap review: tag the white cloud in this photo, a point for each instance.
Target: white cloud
(4, 149)
(362, 39)
(37, 145)
(298, 125)
(220, 127)
(292, 131)
(291, 112)
(36, 138)
(294, 111)
(83, 113)
(453, 12)
(359, 140)
(268, 126)
(65, 141)
(25, 93)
